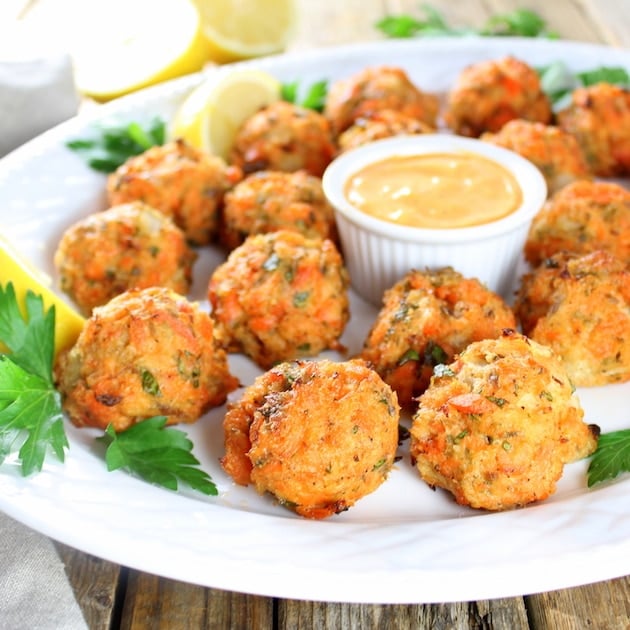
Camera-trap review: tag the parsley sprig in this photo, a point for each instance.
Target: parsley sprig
(112, 144)
(31, 414)
(611, 458)
(31, 417)
(558, 81)
(311, 97)
(518, 23)
(157, 454)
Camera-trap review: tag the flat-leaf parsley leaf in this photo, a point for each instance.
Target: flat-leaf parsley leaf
(312, 97)
(157, 454)
(112, 144)
(611, 458)
(31, 417)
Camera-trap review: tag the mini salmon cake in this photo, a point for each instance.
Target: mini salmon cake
(268, 201)
(599, 118)
(496, 426)
(148, 352)
(555, 152)
(374, 89)
(426, 318)
(380, 124)
(180, 181)
(317, 435)
(488, 94)
(583, 217)
(125, 247)
(579, 305)
(284, 137)
(280, 296)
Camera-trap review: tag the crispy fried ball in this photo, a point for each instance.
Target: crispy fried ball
(582, 217)
(267, 201)
(380, 124)
(318, 435)
(488, 94)
(284, 137)
(426, 318)
(497, 426)
(375, 89)
(554, 151)
(599, 118)
(281, 296)
(148, 352)
(579, 305)
(184, 183)
(127, 246)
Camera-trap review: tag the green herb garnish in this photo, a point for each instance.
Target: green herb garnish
(157, 454)
(518, 23)
(31, 418)
(313, 97)
(558, 81)
(611, 458)
(113, 144)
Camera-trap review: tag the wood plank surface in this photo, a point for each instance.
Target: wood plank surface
(111, 596)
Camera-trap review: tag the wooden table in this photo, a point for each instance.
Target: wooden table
(113, 596)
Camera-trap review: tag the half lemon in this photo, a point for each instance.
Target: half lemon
(212, 113)
(128, 45)
(242, 29)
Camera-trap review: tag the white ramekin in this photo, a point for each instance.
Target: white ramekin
(378, 253)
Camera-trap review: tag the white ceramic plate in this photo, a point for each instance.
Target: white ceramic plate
(402, 544)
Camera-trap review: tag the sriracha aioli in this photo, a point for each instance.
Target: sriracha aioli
(435, 190)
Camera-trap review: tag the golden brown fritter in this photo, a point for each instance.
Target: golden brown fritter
(280, 296)
(554, 151)
(426, 318)
(267, 201)
(579, 305)
(488, 94)
(184, 183)
(599, 118)
(582, 217)
(496, 427)
(318, 435)
(380, 124)
(125, 247)
(374, 89)
(284, 137)
(148, 352)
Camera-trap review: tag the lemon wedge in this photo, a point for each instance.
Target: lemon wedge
(128, 45)
(242, 29)
(13, 268)
(211, 114)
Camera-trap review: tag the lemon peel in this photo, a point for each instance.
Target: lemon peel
(13, 268)
(211, 114)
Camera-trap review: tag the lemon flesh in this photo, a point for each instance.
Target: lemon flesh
(133, 44)
(212, 113)
(242, 29)
(68, 323)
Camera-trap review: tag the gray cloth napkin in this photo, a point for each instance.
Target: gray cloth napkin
(34, 591)
(36, 93)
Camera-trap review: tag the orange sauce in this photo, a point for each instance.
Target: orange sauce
(435, 190)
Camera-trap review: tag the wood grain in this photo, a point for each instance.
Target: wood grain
(95, 583)
(153, 603)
